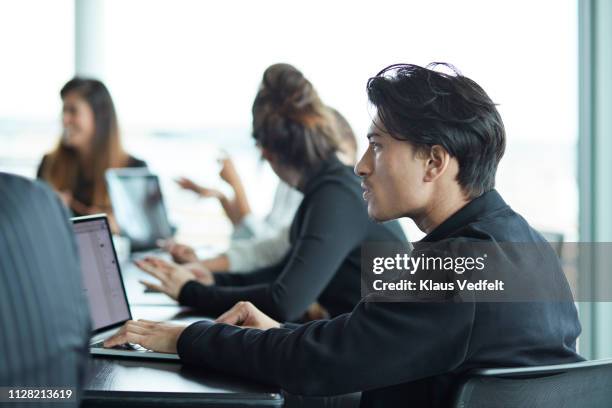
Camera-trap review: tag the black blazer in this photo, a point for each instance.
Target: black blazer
(403, 354)
(44, 316)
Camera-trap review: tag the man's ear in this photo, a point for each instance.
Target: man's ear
(437, 161)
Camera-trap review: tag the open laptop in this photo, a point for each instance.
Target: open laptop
(104, 287)
(138, 207)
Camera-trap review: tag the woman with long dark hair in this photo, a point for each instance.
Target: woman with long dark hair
(89, 145)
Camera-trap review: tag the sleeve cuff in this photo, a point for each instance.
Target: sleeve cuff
(185, 345)
(247, 228)
(188, 294)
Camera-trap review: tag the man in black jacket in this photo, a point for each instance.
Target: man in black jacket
(434, 147)
(44, 315)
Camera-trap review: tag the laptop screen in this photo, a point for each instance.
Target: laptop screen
(101, 275)
(138, 206)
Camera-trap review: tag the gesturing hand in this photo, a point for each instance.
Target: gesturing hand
(228, 172)
(245, 314)
(172, 277)
(189, 184)
(156, 336)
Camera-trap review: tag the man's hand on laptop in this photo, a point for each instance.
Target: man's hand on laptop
(155, 336)
(245, 314)
(171, 276)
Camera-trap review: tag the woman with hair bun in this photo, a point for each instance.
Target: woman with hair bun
(299, 136)
(270, 240)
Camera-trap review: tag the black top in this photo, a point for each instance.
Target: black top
(402, 354)
(44, 315)
(83, 191)
(323, 263)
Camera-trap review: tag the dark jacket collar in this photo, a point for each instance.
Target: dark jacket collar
(479, 207)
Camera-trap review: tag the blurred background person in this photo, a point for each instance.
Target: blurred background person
(268, 248)
(89, 145)
(238, 209)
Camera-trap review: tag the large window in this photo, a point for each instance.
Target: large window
(183, 76)
(37, 48)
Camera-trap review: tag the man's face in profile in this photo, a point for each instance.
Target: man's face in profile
(392, 175)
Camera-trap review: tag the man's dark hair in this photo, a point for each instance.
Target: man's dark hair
(427, 107)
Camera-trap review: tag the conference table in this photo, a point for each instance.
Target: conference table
(123, 382)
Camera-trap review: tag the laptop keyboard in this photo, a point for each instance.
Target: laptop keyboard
(126, 346)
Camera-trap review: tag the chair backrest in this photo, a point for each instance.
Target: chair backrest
(586, 384)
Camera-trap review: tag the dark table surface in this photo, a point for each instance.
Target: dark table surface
(124, 382)
(131, 383)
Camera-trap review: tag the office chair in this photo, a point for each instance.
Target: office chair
(587, 384)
